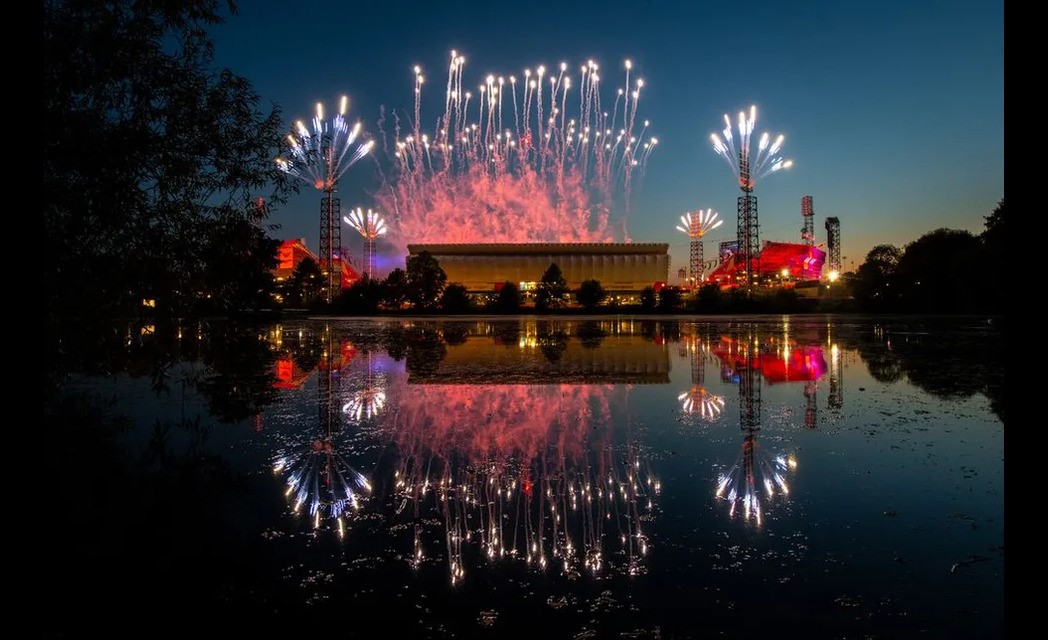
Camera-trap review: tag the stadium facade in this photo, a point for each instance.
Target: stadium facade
(621, 268)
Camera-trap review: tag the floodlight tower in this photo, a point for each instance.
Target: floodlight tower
(695, 225)
(319, 156)
(370, 226)
(808, 214)
(833, 246)
(748, 167)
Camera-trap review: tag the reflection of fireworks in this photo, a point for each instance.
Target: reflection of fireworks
(530, 485)
(746, 168)
(548, 511)
(366, 403)
(699, 401)
(319, 157)
(516, 166)
(755, 471)
(320, 477)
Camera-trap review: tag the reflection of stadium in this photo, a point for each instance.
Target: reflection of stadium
(620, 268)
(552, 353)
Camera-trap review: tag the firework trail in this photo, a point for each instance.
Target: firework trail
(536, 158)
(320, 156)
(748, 168)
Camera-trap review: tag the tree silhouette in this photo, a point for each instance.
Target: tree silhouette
(426, 280)
(590, 294)
(151, 159)
(552, 289)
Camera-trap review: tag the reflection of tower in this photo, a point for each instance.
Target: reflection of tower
(750, 386)
(833, 245)
(808, 214)
(327, 385)
(836, 400)
(698, 400)
(811, 388)
(317, 475)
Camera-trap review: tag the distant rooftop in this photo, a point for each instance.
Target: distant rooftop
(541, 248)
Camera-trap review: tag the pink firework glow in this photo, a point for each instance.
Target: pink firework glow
(535, 158)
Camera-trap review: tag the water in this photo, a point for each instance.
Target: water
(831, 477)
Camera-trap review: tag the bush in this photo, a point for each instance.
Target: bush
(455, 299)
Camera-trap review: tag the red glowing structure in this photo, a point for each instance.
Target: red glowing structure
(783, 263)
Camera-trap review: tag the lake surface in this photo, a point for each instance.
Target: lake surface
(624, 477)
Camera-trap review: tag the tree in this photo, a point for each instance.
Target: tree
(552, 289)
(872, 285)
(709, 298)
(647, 299)
(363, 296)
(670, 299)
(304, 284)
(507, 300)
(936, 271)
(426, 281)
(455, 299)
(590, 294)
(152, 158)
(395, 289)
(995, 256)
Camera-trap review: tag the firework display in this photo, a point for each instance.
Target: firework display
(539, 157)
(319, 478)
(319, 157)
(370, 226)
(695, 225)
(746, 166)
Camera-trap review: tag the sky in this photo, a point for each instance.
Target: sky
(893, 111)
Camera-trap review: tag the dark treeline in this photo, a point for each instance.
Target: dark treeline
(943, 271)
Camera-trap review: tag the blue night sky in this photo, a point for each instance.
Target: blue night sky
(893, 111)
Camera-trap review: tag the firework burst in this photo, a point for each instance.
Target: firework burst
(534, 158)
(370, 226)
(696, 224)
(320, 156)
(748, 168)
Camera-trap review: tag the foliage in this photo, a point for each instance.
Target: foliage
(709, 299)
(426, 280)
(648, 298)
(552, 289)
(936, 272)
(395, 289)
(670, 299)
(455, 299)
(303, 286)
(590, 294)
(507, 300)
(154, 162)
(872, 285)
(362, 297)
